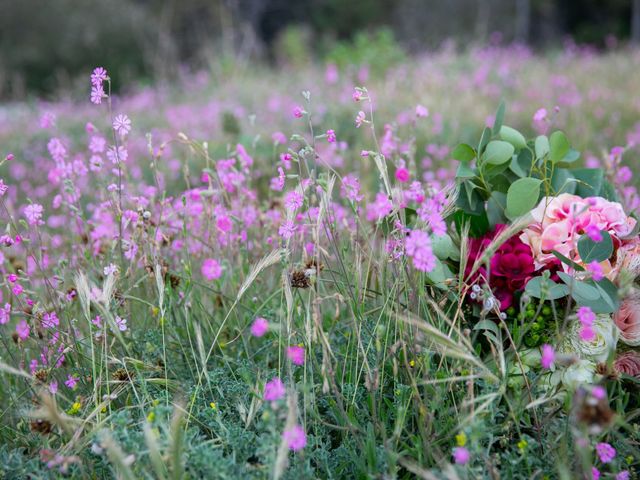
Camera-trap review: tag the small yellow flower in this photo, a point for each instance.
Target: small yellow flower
(213, 406)
(522, 445)
(461, 439)
(412, 363)
(75, 408)
(151, 417)
(155, 403)
(155, 311)
(629, 459)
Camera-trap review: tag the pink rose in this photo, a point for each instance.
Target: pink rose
(628, 363)
(627, 318)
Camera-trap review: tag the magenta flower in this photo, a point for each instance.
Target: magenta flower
(50, 320)
(23, 330)
(548, 356)
(121, 323)
(594, 233)
(5, 314)
(586, 316)
(296, 354)
(71, 381)
(274, 390)
(298, 111)
(122, 124)
(224, 223)
(331, 136)
(287, 229)
(597, 273)
(461, 455)
(623, 475)
(595, 473)
(33, 214)
(211, 269)
(403, 175)
(380, 208)
(418, 247)
(540, 115)
(97, 94)
(422, 111)
(295, 438)
(360, 119)
(3, 188)
(259, 327)
(605, 452)
(293, 200)
(98, 76)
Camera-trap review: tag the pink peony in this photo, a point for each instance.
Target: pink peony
(559, 222)
(628, 363)
(627, 319)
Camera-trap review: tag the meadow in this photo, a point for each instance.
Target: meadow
(223, 278)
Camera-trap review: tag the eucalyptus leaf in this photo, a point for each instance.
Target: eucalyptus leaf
(540, 287)
(513, 136)
(558, 146)
(499, 118)
(591, 251)
(522, 196)
(541, 146)
(498, 152)
(579, 289)
(463, 153)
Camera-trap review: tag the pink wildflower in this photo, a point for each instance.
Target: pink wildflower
(331, 136)
(274, 390)
(296, 354)
(295, 438)
(293, 200)
(594, 233)
(287, 229)
(298, 111)
(380, 208)
(23, 330)
(97, 94)
(71, 381)
(350, 188)
(605, 452)
(3, 188)
(360, 119)
(418, 247)
(548, 356)
(122, 124)
(586, 316)
(98, 76)
(259, 327)
(224, 223)
(121, 323)
(50, 320)
(461, 455)
(422, 111)
(596, 270)
(211, 269)
(402, 175)
(5, 314)
(33, 214)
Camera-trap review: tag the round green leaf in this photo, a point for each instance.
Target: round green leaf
(513, 136)
(498, 152)
(522, 196)
(591, 251)
(541, 146)
(463, 153)
(559, 146)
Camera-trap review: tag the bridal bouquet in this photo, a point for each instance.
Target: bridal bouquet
(548, 254)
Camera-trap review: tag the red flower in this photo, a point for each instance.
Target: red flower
(511, 266)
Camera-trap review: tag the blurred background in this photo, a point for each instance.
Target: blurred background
(47, 45)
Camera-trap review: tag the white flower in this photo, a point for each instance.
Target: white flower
(579, 373)
(599, 348)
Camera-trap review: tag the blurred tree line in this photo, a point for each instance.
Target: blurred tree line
(46, 44)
